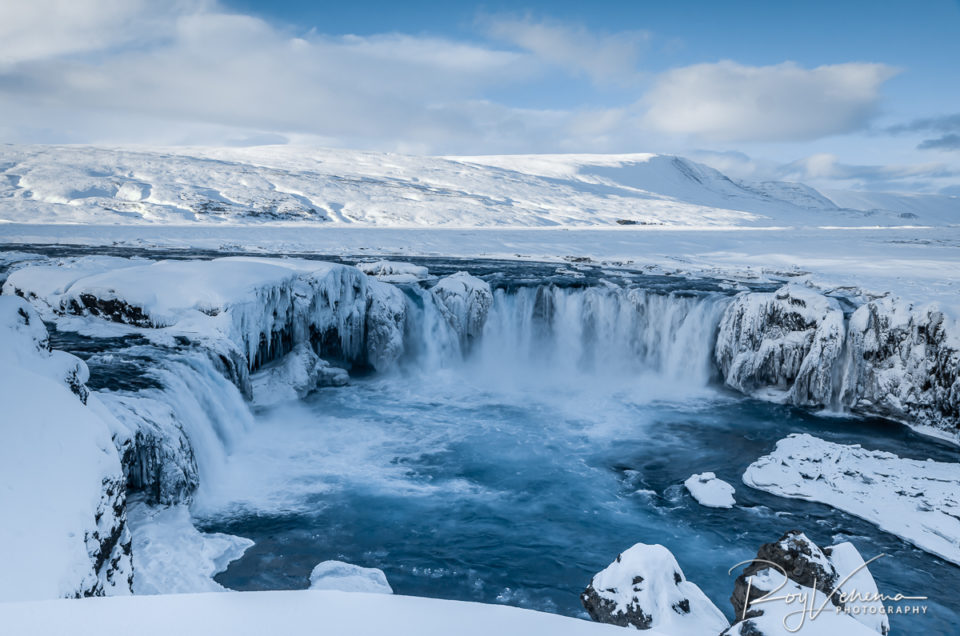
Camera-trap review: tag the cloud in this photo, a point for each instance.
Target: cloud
(606, 57)
(727, 101)
(826, 167)
(947, 126)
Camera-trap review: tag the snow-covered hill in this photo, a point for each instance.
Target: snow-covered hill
(239, 186)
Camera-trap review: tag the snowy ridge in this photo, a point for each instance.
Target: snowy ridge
(77, 543)
(305, 186)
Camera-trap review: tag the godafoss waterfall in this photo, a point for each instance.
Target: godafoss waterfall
(487, 430)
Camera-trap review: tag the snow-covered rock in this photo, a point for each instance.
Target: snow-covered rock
(786, 341)
(779, 618)
(64, 531)
(835, 578)
(467, 301)
(346, 577)
(394, 271)
(294, 376)
(171, 556)
(645, 588)
(903, 362)
(916, 500)
(710, 491)
(385, 322)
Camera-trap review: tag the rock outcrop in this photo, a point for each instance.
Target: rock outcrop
(890, 358)
(645, 588)
(466, 301)
(794, 564)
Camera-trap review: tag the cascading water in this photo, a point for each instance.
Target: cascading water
(508, 468)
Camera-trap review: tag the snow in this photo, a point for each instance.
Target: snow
(915, 500)
(291, 612)
(298, 185)
(56, 522)
(782, 618)
(346, 577)
(394, 272)
(646, 581)
(855, 579)
(170, 556)
(710, 491)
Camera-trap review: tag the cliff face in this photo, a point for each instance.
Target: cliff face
(890, 358)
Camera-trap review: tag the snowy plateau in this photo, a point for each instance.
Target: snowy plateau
(260, 390)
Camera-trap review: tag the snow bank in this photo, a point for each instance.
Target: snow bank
(346, 577)
(645, 588)
(915, 500)
(64, 531)
(170, 556)
(298, 612)
(394, 271)
(710, 491)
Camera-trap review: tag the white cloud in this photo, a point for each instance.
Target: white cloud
(727, 101)
(611, 57)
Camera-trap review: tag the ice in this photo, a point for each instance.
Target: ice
(294, 376)
(710, 491)
(394, 271)
(915, 500)
(346, 577)
(172, 557)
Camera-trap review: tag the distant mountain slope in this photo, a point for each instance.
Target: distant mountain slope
(287, 185)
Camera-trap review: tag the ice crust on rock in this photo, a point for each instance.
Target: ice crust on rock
(294, 376)
(891, 358)
(787, 340)
(467, 301)
(645, 588)
(710, 491)
(916, 500)
(346, 577)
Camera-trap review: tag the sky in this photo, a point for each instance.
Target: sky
(862, 95)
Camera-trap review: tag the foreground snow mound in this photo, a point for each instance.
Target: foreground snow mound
(294, 376)
(786, 341)
(172, 557)
(710, 491)
(467, 301)
(346, 577)
(64, 531)
(289, 612)
(836, 578)
(916, 500)
(903, 362)
(645, 588)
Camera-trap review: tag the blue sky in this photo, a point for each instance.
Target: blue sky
(838, 94)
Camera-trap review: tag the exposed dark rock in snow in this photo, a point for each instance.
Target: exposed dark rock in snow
(835, 575)
(645, 588)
